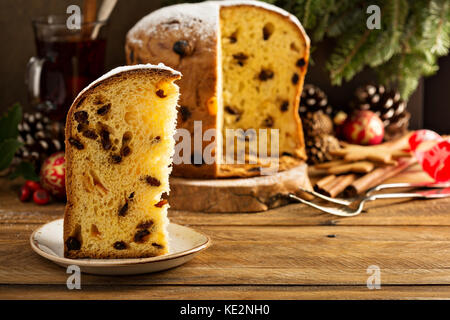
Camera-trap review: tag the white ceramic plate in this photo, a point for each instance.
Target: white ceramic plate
(184, 244)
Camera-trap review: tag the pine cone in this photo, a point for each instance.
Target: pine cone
(398, 126)
(41, 138)
(313, 99)
(388, 105)
(318, 148)
(317, 123)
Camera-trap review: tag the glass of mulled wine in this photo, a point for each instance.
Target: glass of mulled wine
(67, 60)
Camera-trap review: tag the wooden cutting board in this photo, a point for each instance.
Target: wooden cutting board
(237, 195)
(255, 194)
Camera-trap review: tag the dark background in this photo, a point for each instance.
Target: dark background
(17, 40)
(429, 105)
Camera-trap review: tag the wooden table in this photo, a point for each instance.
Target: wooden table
(293, 252)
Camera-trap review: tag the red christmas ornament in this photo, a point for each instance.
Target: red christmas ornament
(363, 127)
(53, 174)
(433, 153)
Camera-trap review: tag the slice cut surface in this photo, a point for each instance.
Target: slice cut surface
(263, 61)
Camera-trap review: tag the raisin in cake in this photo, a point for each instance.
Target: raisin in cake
(119, 144)
(243, 64)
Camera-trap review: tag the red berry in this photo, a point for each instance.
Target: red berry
(41, 196)
(24, 194)
(33, 185)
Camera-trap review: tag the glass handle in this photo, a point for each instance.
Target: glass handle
(33, 78)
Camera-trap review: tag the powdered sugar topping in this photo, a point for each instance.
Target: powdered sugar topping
(201, 18)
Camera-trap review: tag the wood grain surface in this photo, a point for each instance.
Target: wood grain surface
(292, 252)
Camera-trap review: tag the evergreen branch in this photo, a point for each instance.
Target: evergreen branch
(395, 20)
(414, 33)
(335, 73)
(440, 46)
(388, 42)
(345, 19)
(403, 71)
(410, 30)
(320, 30)
(306, 13)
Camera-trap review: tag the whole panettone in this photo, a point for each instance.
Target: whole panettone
(243, 65)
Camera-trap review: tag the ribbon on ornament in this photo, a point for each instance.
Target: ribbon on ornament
(433, 153)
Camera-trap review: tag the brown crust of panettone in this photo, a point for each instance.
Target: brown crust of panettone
(153, 44)
(69, 226)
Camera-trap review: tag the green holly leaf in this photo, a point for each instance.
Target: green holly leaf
(9, 122)
(26, 170)
(8, 148)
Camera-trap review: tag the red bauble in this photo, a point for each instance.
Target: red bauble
(363, 127)
(53, 174)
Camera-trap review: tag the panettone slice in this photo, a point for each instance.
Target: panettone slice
(119, 148)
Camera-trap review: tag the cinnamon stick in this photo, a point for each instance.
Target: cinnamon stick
(377, 176)
(329, 164)
(358, 167)
(324, 181)
(336, 185)
(340, 186)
